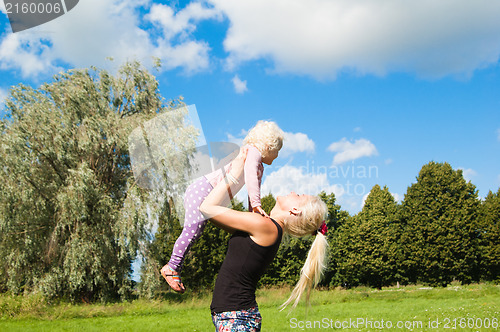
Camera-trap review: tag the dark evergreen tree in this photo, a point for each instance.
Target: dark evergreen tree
(441, 231)
(368, 244)
(489, 225)
(336, 218)
(268, 203)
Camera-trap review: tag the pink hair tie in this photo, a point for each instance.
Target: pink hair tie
(323, 229)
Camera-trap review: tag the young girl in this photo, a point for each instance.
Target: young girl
(263, 143)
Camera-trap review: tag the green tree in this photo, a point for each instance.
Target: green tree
(336, 218)
(367, 247)
(71, 218)
(441, 231)
(267, 202)
(489, 225)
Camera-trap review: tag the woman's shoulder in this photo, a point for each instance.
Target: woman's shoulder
(269, 231)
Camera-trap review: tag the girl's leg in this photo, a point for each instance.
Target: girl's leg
(194, 223)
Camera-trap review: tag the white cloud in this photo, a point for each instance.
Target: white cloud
(98, 29)
(2, 8)
(238, 139)
(239, 85)
(192, 56)
(319, 38)
(25, 52)
(322, 38)
(363, 200)
(183, 22)
(296, 142)
(468, 173)
(347, 151)
(397, 197)
(289, 178)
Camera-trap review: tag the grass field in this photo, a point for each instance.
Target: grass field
(414, 308)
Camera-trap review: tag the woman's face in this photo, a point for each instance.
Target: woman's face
(291, 201)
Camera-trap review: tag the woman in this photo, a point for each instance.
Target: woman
(254, 245)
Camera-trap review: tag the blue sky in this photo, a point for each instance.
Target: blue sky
(367, 91)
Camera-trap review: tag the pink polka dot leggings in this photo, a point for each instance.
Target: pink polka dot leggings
(194, 221)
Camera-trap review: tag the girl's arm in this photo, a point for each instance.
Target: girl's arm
(253, 163)
(253, 166)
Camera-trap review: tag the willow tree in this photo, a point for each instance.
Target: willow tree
(71, 213)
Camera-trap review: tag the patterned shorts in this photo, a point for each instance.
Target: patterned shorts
(242, 320)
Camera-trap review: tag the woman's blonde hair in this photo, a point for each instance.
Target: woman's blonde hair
(265, 136)
(312, 215)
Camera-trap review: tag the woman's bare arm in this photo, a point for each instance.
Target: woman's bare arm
(213, 208)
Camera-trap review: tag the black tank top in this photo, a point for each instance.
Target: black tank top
(240, 272)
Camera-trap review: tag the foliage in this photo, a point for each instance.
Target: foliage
(367, 245)
(267, 202)
(336, 218)
(440, 239)
(71, 218)
(489, 227)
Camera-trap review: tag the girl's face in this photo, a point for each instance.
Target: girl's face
(270, 156)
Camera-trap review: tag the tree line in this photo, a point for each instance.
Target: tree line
(73, 218)
(441, 232)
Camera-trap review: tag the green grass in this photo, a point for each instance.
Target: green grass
(414, 305)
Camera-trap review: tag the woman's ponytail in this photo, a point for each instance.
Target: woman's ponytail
(313, 214)
(311, 272)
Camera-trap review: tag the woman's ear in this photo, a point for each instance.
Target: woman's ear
(295, 212)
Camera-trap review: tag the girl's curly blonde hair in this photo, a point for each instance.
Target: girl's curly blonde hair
(265, 136)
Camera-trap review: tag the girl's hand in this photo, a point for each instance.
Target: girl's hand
(260, 211)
